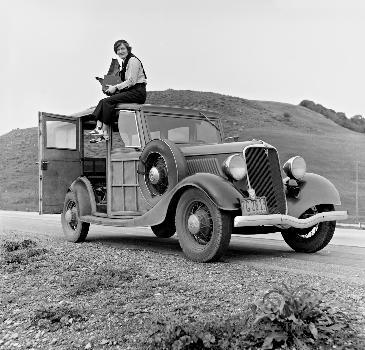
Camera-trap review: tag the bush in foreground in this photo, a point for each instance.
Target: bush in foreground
(103, 277)
(298, 318)
(283, 319)
(20, 252)
(56, 316)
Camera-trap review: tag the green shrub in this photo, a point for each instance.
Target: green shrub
(297, 318)
(287, 116)
(188, 333)
(21, 252)
(282, 319)
(54, 317)
(102, 278)
(11, 246)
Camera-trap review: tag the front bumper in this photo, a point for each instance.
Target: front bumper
(287, 220)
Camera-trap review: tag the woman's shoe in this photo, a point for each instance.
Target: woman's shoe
(97, 140)
(100, 139)
(97, 131)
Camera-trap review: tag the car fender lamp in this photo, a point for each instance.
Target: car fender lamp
(235, 167)
(295, 168)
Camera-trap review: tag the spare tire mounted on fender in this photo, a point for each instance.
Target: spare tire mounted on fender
(161, 166)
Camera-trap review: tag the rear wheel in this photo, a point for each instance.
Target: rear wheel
(204, 230)
(311, 239)
(73, 229)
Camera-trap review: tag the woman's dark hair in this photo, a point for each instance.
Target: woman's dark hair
(125, 43)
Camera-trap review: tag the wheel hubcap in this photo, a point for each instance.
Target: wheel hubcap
(199, 223)
(154, 175)
(68, 216)
(193, 224)
(71, 215)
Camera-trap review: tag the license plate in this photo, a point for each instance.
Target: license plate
(254, 206)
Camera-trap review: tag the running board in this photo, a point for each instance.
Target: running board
(128, 221)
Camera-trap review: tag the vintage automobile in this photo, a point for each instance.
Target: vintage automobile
(170, 168)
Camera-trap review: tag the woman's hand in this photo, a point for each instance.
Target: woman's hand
(111, 89)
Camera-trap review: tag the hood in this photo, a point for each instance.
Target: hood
(219, 148)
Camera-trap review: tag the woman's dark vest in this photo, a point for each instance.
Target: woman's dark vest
(124, 68)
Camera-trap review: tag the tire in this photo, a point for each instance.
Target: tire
(165, 229)
(161, 166)
(73, 229)
(312, 239)
(203, 229)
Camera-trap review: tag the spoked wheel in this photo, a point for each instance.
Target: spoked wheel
(161, 166)
(73, 229)
(204, 230)
(156, 176)
(311, 239)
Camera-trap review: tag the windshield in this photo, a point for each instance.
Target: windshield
(183, 129)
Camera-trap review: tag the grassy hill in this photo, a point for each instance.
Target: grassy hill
(329, 149)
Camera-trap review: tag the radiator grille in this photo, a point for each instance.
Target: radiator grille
(264, 173)
(203, 165)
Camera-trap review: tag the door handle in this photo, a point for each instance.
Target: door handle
(44, 164)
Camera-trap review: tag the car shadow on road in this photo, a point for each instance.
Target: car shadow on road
(240, 249)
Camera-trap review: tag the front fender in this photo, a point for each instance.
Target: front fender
(221, 192)
(314, 190)
(84, 195)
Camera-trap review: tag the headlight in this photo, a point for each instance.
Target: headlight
(295, 168)
(235, 166)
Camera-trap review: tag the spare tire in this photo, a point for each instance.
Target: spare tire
(161, 166)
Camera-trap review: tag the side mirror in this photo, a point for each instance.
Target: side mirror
(231, 138)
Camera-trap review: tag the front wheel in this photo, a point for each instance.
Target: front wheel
(311, 239)
(74, 229)
(204, 230)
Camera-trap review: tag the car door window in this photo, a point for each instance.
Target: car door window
(61, 134)
(128, 130)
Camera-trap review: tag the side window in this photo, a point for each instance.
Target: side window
(128, 130)
(61, 134)
(179, 134)
(155, 134)
(204, 131)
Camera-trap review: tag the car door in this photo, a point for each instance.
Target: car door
(59, 159)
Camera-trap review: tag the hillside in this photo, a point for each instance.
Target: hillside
(328, 148)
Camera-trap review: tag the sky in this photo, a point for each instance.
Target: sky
(271, 50)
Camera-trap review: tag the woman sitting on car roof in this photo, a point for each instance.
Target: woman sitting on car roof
(132, 89)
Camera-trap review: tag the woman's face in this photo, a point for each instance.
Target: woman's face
(122, 51)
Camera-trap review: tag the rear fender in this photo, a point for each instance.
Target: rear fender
(220, 191)
(84, 195)
(314, 190)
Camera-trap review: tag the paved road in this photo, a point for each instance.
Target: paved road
(344, 258)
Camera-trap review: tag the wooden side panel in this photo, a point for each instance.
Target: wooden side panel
(130, 172)
(117, 173)
(117, 199)
(126, 195)
(130, 199)
(142, 203)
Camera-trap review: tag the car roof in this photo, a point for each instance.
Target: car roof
(153, 109)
